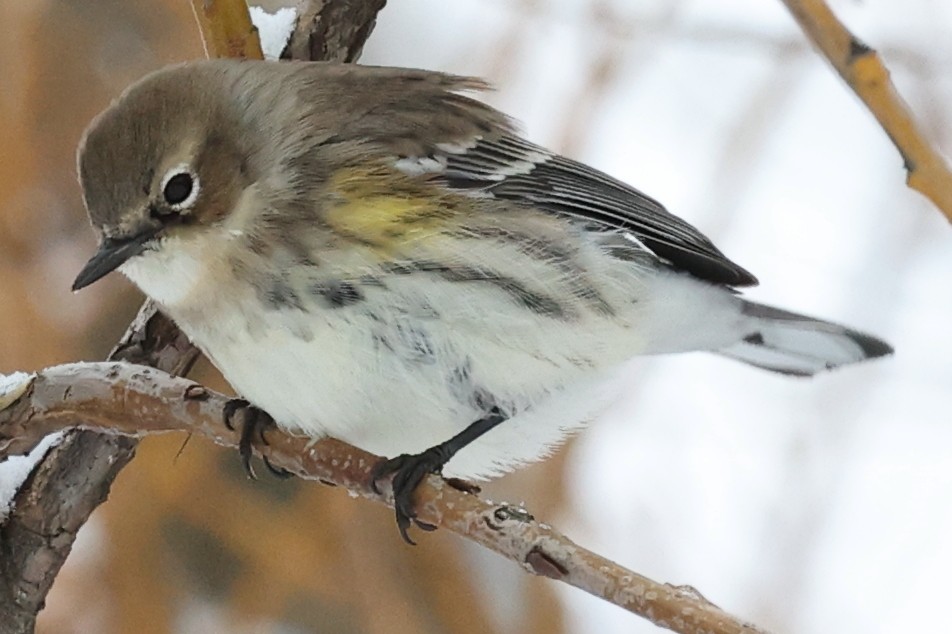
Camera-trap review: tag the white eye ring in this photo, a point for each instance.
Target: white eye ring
(184, 192)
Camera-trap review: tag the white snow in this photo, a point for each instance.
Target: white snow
(14, 470)
(12, 386)
(274, 29)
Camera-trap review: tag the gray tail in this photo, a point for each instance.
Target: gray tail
(797, 345)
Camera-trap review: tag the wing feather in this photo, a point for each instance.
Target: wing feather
(511, 168)
(421, 122)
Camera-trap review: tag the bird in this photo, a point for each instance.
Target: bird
(375, 255)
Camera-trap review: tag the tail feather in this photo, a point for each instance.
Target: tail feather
(798, 345)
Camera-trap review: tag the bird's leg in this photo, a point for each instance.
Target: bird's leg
(409, 470)
(254, 421)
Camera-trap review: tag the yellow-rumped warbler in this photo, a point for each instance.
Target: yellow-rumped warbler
(365, 253)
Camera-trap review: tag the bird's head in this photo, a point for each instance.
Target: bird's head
(162, 161)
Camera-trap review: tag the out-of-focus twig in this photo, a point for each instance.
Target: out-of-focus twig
(100, 397)
(927, 171)
(226, 29)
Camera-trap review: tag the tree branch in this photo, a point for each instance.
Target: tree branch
(861, 67)
(100, 396)
(71, 481)
(74, 477)
(322, 32)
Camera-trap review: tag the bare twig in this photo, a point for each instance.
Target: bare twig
(858, 64)
(75, 476)
(100, 396)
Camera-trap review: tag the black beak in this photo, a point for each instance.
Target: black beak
(112, 253)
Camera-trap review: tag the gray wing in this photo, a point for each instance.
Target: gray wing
(510, 168)
(421, 120)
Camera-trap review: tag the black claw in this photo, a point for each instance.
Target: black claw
(408, 471)
(254, 422)
(244, 443)
(278, 472)
(403, 525)
(425, 526)
(231, 408)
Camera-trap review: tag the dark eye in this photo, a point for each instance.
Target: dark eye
(178, 189)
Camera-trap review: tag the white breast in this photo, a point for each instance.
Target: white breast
(173, 273)
(372, 381)
(413, 363)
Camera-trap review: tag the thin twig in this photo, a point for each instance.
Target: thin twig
(100, 396)
(861, 67)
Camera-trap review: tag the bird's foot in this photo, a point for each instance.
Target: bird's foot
(409, 470)
(254, 422)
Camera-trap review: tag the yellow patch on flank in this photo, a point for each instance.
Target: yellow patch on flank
(379, 206)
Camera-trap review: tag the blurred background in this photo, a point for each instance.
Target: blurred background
(803, 506)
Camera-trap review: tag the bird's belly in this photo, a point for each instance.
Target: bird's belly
(391, 383)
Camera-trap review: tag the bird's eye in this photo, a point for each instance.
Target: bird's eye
(180, 188)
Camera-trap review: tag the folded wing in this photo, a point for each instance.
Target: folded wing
(513, 169)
